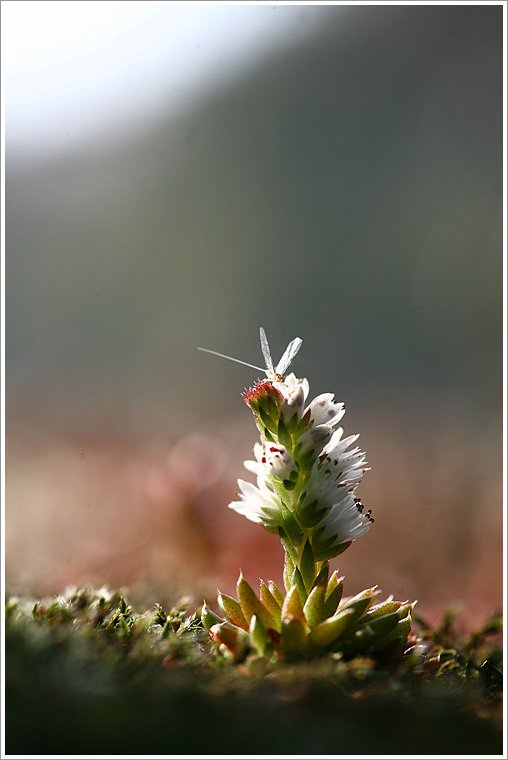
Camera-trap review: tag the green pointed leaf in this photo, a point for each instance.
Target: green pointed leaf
(265, 433)
(267, 421)
(341, 548)
(288, 548)
(252, 606)
(294, 636)
(322, 577)
(276, 593)
(326, 548)
(289, 569)
(292, 607)
(297, 580)
(272, 513)
(384, 608)
(306, 459)
(405, 609)
(284, 436)
(384, 624)
(269, 601)
(332, 583)
(310, 515)
(291, 527)
(209, 618)
(329, 630)
(362, 601)
(334, 596)
(307, 566)
(232, 637)
(259, 636)
(313, 608)
(233, 611)
(305, 423)
(401, 631)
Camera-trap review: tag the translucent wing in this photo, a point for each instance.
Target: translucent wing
(288, 356)
(265, 348)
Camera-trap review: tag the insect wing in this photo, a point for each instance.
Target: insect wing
(265, 348)
(288, 356)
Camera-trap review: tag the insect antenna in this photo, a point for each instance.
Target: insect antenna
(231, 358)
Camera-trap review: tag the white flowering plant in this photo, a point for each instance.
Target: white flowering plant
(305, 492)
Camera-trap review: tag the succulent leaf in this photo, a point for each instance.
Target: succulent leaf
(258, 636)
(297, 580)
(329, 630)
(233, 611)
(313, 608)
(294, 636)
(292, 607)
(276, 593)
(269, 601)
(307, 566)
(209, 618)
(334, 596)
(252, 606)
(230, 636)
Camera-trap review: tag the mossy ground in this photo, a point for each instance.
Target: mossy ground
(86, 674)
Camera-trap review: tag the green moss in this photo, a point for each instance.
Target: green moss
(87, 674)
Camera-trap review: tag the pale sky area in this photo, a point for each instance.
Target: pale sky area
(73, 70)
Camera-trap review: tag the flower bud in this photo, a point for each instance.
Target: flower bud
(265, 401)
(292, 406)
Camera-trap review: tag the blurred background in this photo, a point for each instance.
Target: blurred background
(178, 175)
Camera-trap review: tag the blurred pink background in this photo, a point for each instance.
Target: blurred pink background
(152, 516)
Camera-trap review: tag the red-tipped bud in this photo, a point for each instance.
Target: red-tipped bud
(265, 395)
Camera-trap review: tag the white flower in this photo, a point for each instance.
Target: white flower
(258, 504)
(345, 521)
(313, 440)
(323, 410)
(292, 407)
(278, 461)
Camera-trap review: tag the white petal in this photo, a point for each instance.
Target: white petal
(323, 410)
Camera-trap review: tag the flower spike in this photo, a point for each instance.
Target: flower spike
(305, 491)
